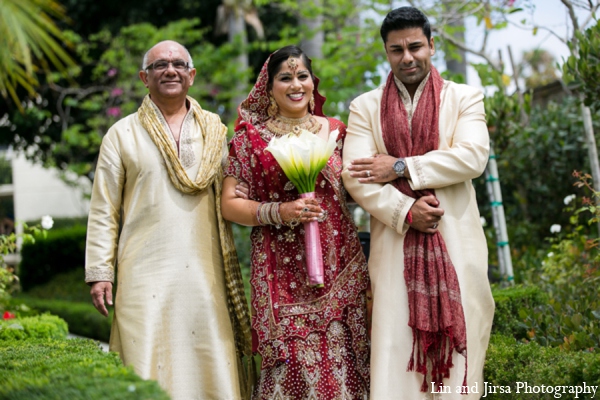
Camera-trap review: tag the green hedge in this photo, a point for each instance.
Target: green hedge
(50, 369)
(509, 301)
(83, 318)
(509, 362)
(66, 286)
(36, 327)
(61, 251)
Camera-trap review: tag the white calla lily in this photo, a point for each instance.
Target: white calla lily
(302, 157)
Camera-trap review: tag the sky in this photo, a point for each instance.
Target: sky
(551, 14)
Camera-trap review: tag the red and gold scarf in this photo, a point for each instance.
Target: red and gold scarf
(436, 313)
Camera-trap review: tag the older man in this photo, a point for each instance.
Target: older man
(412, 148)
(179, 306)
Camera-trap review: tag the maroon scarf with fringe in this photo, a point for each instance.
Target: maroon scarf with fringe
(436, 313)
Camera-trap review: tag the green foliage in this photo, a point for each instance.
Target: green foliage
(82, 317)
(8, 244)
(583, 67)
(509, 304)
(66, 128)
(37, 327)
(509, 362)
(68, 369)
(5, 170)
(29, 41)
(66, 286)
(570, 276)
(241, 237)
(535, 164)
(61, 251)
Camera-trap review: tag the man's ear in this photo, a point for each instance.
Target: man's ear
(144, 77)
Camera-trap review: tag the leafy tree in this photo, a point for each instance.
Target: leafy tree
(583, 68)
(30, 41)
(65, 129)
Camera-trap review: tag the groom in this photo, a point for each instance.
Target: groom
(412, 148)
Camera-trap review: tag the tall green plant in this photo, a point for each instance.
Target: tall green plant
(570, 276)
(583, 69)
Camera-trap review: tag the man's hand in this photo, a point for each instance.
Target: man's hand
(100, 291)
(426, 214)
(376, 169)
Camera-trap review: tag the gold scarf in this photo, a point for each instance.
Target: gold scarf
(214, 134)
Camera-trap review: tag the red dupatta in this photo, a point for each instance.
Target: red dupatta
(436, 314)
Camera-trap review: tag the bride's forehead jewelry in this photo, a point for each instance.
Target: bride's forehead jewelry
(292, 63)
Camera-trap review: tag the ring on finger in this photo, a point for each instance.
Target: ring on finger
(305, 209)
(434, 226)
(368, 173)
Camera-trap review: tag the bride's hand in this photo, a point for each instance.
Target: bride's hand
(300, 211)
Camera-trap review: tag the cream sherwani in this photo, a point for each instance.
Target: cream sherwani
(462, 156)
(171, 320)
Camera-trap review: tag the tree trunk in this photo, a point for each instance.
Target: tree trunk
(313, 36)
(237, 34)
(452, 64)
(590, 140)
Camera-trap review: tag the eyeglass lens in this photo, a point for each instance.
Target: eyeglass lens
(161, 65)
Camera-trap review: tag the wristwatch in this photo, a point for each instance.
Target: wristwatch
(400, 167)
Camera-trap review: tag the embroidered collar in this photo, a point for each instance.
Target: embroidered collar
(410, 106)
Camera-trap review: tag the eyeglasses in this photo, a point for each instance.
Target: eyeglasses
(162, 65)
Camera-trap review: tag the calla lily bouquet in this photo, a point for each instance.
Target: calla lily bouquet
(302, 157)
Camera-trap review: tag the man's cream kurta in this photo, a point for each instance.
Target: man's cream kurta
(462, 156)
(171, 320)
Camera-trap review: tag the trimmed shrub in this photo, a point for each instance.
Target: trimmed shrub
(37, 327)
(83, 318)
(66, 286)
(509, 303)
(510, 364)
(61, 251)
(49, 369)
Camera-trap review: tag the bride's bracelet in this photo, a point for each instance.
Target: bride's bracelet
(268, 214)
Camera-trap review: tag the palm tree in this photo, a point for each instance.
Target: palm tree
(30, 41)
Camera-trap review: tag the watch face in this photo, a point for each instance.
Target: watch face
(399, 167)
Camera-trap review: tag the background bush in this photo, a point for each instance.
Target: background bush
(61, 251)
(50, 369)
(510, 302)
(508, 362)
(82, 317)
(36, 327)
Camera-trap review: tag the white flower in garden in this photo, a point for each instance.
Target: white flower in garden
(302, 157)
(569, 199)
(483, 221)
(550, 255)
(47, 222)
(555, 228)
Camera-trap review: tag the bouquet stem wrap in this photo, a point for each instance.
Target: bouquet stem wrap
(312, 244)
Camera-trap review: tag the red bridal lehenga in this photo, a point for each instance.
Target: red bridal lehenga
(313, 341)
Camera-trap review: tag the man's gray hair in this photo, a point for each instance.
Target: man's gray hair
(145, 60)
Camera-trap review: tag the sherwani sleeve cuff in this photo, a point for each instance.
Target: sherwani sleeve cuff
(418, 180)
(399, 224)
(93, 274)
